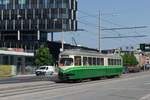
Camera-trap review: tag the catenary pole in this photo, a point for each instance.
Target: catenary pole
(99, 33)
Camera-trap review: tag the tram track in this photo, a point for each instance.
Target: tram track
(43, 87)
(26, 79)
(19, 90)
(30, 89)
(39, 88)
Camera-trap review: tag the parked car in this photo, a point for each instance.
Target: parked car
(134, 68)
(45, 70)
(147, 66)
(125, 70)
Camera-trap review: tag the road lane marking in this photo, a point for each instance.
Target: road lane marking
(146, 97)
(147, 83)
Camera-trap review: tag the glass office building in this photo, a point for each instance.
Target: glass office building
(24, 24)
(33, 19)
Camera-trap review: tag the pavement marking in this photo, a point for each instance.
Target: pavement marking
(146, 97)
(122, 79)
(147, 83)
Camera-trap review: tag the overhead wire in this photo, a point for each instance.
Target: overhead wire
(104, 20)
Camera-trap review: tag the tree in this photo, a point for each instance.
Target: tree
(43, 57)
(129, 59)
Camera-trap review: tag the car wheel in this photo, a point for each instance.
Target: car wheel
(37, 74)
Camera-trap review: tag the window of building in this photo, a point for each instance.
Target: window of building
(2, 25)
(37, 13)
(45, 3)
(6, 2)
(10, 25)
(50, 24)
(18, 24)
(1, 2)
(58, 3)
(13, 14)
(21, 2)
(42, 24)
(34, 24)
(41, 3)
(21, 14)
(30, 14)
(6, 14)
(54, 13)
(65, 4)
(5, 60)
(58, 24)
(63, 13)
(51, 3)
(34, 3)
(45, 13)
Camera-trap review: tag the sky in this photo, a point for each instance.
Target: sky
(113, 14)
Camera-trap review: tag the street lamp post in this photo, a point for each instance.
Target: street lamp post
(18, 33)
(62, 42)
(99, 33)
(62, 37)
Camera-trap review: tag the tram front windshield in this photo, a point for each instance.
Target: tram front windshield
(66, 62)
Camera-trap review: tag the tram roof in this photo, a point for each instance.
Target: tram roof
(87, 53)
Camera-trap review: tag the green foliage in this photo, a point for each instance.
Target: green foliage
(43, 57)
(129, 59)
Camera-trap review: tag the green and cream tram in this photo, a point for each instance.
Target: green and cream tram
(79, 64)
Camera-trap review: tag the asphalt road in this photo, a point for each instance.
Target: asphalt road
(128, 87)
(25, 79)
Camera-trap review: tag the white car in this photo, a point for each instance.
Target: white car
(45, 70)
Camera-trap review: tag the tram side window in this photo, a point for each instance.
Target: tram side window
(90, 60)
(94, 61)
(85, 61)
(118, 62)
(98, 61)
(66, 61)
(114, 61)
(101, 61)
(77, 60)
(110, 61)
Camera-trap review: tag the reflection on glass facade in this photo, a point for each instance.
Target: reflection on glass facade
(43, 15)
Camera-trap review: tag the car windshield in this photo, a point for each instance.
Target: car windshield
(42, 68)
(66, 61)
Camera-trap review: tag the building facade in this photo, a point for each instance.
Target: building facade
(24, 24)
(31, 20)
